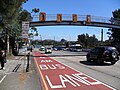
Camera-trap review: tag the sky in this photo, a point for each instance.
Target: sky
(102, 8)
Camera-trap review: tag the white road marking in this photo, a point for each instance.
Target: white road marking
(3, 79)
(86, 75)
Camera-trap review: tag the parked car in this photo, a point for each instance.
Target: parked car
(103, 53)
(48, 50)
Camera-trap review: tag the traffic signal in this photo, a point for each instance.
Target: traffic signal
(42, 16)
(74, 17)
(88, 19)
(59, 17)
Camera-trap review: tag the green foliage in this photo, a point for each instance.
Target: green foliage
(116, 14)
(33, 29)
(87, 41)
(33, 32)
(35, 10)
(82, 39)
(63, 40)
(10, 10)
(25, 16)
(115, 33)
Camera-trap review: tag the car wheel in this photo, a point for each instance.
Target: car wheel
(114, 58)
(100, 61)
(114, 55)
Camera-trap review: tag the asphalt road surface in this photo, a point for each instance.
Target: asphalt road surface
(106, 73)
(75, 61)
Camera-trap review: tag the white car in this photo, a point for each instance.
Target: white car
(48, 50)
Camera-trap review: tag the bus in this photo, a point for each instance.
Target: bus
(75, 48)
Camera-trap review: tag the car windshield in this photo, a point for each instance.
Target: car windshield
(48, 48)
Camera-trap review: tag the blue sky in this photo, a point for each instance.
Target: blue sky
(101, 8)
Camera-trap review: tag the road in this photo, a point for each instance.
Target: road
(70, 63)
(109, 74)
(65, 53)
(106, 73)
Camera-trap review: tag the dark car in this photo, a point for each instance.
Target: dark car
(103, 53)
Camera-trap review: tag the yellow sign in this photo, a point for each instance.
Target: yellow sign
(42, 16)
(59, 17)
(88, 19)
(74, 17)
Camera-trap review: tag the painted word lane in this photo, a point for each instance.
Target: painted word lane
(57, 76)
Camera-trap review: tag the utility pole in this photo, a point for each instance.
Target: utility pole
(102, 36)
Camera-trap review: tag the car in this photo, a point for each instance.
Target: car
(48, 50)
(55, 49)
(42, 48)
(103, 53)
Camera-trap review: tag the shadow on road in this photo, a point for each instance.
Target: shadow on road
(94, 63)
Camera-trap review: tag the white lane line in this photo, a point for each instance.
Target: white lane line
(2, 79)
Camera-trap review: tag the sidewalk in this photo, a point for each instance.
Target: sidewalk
(15, 77)
(13, 63)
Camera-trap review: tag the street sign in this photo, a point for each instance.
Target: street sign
(42, 16)
(25, 36)
(25, 25)
(59, 17)
(88, 19)
(74, 17)
(25, 28)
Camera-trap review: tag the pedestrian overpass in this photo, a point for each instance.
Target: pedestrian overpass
(73, 20)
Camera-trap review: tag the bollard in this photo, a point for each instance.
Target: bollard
(28, 57)
(31, 49)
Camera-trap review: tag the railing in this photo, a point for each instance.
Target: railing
(68, 17)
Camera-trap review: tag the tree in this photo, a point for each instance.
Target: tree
(87, 41)
(63, 40)
(82, 39)
(9, 11)
(35, 10)
(25, 16)
(92, 41)
(115, 36)
(33, 29)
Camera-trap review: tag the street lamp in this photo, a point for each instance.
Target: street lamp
(101, 35)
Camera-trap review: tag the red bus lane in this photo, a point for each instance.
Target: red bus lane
(57, 76)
